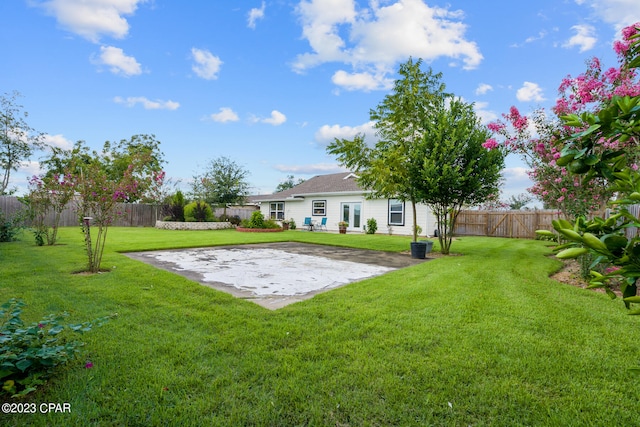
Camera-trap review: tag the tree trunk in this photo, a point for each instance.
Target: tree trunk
(415, 221)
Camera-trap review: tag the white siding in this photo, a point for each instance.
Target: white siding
(376, 208)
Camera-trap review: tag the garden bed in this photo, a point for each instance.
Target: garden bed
(172, 225)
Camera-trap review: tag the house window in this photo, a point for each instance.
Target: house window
(319, 207)
(396, 212)
(276, 210)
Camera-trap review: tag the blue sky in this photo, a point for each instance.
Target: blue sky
(270, 83)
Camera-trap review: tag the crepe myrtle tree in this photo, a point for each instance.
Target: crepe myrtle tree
(456, 170)
(534, 139)
(102, 183)
(559, 180)
(99, 203)
(401, 118)
(602, 140)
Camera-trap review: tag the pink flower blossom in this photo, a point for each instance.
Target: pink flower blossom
(490, 144)
(496, 127)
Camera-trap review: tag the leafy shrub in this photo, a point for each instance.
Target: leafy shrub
(547, 237)
(269, 223)
(29, 353)
(11, 225)
(198, 212)
(372, 226)
(257, 221)
(176, 207)
(292, 224)
(235, 219)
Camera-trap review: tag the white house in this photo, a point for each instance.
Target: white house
(338, 197)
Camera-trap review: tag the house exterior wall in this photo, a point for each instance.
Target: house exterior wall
(371, 208)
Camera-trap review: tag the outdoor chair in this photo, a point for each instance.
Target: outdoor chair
(323, 224)
(307, 224)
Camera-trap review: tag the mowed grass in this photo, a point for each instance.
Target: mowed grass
(483, 338)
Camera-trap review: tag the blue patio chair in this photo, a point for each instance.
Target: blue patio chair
(323, 224)
(307, 224)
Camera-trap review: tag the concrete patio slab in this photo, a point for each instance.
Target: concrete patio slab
(274, 275)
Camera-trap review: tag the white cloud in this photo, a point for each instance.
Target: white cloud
(29, 167)
(483, 88)
(132, 101)
(485, 115)
(583, 38)
(379, 36)
(327, 134)
(225, 115)
(530, 92)
(118, 62)
(254, 15)
(320, 22)
(517, 173)
(619, 13)
(206, 64)
(276, 119)
(58, 141)
(540, 36)
(361, 81)
(93, 18)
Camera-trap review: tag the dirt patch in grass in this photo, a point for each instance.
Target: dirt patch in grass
(570, 274)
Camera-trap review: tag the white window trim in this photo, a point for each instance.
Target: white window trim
(402, 213)
(273, 213)
(313, 208)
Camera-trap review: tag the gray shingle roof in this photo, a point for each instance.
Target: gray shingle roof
(343, 182)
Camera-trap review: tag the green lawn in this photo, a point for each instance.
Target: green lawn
(482, 339)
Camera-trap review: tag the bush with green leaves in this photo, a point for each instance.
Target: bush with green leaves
(29, 354)
(198, 211)
(257, 221)
(176, 207)
(604, 143)
(372, 226)
(11, 225)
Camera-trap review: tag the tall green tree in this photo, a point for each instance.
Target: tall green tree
(139, 156)
(288, 183)
(18, 140)
(456, 169)
(222, 183)
(389, 168)
(127, 153)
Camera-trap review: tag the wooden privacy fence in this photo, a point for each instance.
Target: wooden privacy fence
(134, 214)
(518, 224)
